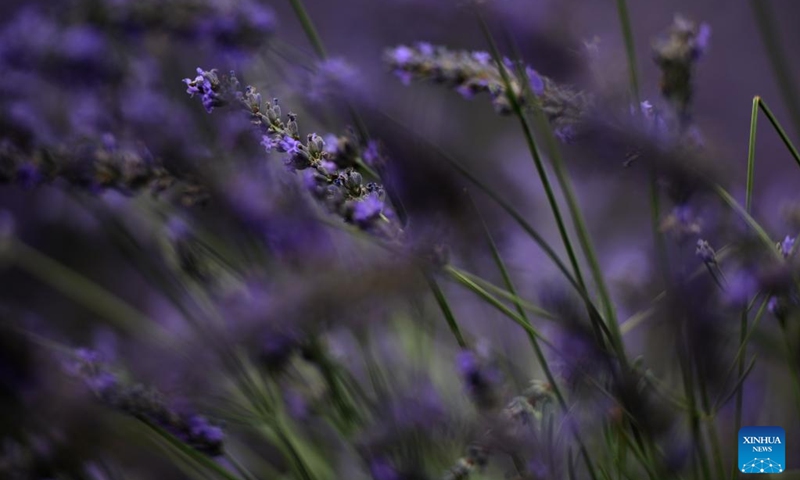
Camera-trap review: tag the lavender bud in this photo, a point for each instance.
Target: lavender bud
(705, 252)
(786, 247)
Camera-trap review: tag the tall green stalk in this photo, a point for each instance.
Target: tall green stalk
(444, 305)
(768, 28)
(532, 338)
(630, 49)
(751, 164)
(778, 128)
(535, 154)
(308, 27)
(751, 155)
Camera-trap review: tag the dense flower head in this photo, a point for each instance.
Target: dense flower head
(471, 73)
(682, 222)
(143, 403)
(676, 54)
(233, 25)
(94, 165)
(207, 85)
(78, 54)
(341, 190)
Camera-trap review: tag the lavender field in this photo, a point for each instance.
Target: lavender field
(399, 239)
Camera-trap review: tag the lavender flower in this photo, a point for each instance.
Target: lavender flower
(334, 78)
(676, 54)
(207, 85)
(144, 403)
(480, 380)
(475, 460)
(705, 252)
(471, 73)
(76, 55)
(786, 247)
(235, 26)
(341, 191)
(380, 469)
(94, 166)
(681, 222)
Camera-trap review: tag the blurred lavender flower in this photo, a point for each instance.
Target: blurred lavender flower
(681, 222)
(470, 73)
(334, 78)
(93, 166)
(676, 53)
(381, 469)
(741, 286)
(76, 55)
(481, 380)
(144, 403)
(475, 460)
(232, 25)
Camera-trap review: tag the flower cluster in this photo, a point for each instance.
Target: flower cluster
(341, 190)
(144, 403)
(470, 73)
(529, 406)
(475, 460)
(94, 166)
(234, 25)
(681, 223)
(77, 54)
(675, 54)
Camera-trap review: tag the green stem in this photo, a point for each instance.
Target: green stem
(584, 238)
(441, 300)
(508, 208)
(739, 358)
(512, 297)
(319, 49)
(767, 27)
(751, 165)
(82, 290)
(694, 421)
(780, 130)
(243, 471)
(537, 160)
(762, 235)
(308, 27)
(751, 155)
(712, 430)
(513, 100)
(791, 357)
(491, 300)
(658, 237)
(532, 338)
(579, 224)
(739, 393)
(630, 49)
